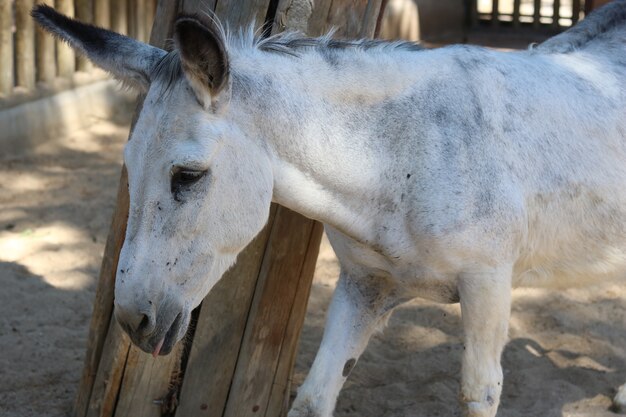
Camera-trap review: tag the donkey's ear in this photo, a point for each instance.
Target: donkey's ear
(126, 59)
(204, 59)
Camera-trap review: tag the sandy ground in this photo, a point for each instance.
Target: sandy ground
(566, 356)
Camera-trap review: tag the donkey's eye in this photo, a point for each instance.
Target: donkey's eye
(182, 180)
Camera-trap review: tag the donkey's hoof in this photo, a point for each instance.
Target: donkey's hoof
(480, 409)
(304, 409)
(619, 402)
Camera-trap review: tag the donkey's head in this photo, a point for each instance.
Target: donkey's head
(200, 189)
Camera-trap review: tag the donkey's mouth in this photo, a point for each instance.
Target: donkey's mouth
(165, 345)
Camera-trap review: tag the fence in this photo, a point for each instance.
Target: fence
(552, 14)
(31, 60)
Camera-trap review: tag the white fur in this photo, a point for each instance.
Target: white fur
(450, 174)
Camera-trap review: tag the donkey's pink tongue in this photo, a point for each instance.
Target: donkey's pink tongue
(158, 347)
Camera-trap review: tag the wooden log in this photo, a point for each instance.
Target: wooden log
(84, 12)
(102, 13)
(45, 53)
(66, 59)
(24, 44)
(119, 16)
(6, 47)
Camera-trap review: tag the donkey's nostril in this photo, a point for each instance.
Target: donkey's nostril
(135, 321)
(145, 322)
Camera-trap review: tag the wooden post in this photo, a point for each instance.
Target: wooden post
(24, 44)
(239, 358)
(537, 13)
(84, 12)
(575, 11)
(66, 59)
(45, 55)
(556, 13)
(102, 13)
(139, 18)
(149, 17)
(473, 13)
(6, 47)
(119, 16)
(495, 13)
(516, 7)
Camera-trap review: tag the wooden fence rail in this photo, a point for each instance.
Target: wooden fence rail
(553, 14)
(29, 57)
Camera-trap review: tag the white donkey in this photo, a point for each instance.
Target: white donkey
(452, 174)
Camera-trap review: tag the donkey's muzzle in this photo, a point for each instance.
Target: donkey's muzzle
(150, 326)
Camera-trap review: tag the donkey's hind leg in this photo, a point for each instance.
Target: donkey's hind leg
(358, 306)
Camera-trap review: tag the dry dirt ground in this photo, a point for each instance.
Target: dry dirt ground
(566, 356)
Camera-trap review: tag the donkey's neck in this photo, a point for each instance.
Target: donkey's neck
(322, 122)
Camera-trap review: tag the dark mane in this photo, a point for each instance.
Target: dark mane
(169, 70)
(290, 43)
(605, 19)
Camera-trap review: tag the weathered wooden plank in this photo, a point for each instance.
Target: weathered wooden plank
(84, 12)
(163, 26)
(24, 44)
(319, 17)
(119, 16)
(103, 302)
(66, 59)
(102, 13)
(149, 17)
(107, 380)
(217, 340)
(370, 18)
(195, 6)
(140, 19)
(281, 386)
(266, 328)
(6, 47)
(347, 16)
(238, 13)
(146, 387)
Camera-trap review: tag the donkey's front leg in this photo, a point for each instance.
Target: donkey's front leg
(485, 307)
(357, 307)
